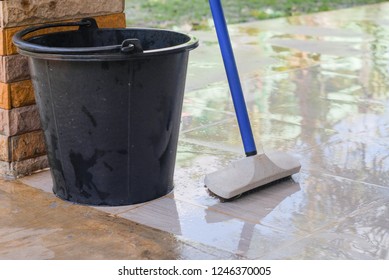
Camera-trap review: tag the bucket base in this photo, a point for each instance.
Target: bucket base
(102, 204)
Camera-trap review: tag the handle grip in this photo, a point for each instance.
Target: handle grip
(128, 46)
(233, 77)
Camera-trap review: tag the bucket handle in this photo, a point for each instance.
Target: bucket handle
(128, 46)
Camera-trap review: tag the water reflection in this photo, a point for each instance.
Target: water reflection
(363, 236)
(211, 228)
(288, 210)
(314, 107)
(332, 112)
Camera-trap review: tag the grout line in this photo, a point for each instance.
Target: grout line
(308, 171)
(356, 181)
(189, 242)
(133, 206)
(207, 125)
(226, 149)
(204, 107)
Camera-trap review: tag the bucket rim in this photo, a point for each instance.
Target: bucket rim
(114, 52)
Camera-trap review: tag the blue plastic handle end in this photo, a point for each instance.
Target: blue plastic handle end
(233, 77)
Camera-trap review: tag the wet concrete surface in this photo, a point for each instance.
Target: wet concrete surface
(317, 87)
(36, 225)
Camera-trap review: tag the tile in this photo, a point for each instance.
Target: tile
(150, 215)
(194, 116)
(269, 135)
(195, 161)
(323, 200)
(40, 180)
(280, 45)
(115, 210)
(315, 46)
(260, 203)
(268, 47)
(206, 65)
(332, 97)
(366, 233)
(315, 97)
(210, 228)
(359, 158)
(362, 236)
(192, 164)
(373, 127)
(316, 31)
(215, 96)
(302, 204)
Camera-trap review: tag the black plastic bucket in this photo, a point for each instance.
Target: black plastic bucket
(110, 103)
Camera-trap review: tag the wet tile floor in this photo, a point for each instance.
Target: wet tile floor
(316, 86)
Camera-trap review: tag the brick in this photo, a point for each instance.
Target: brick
(14, 68)
(4, 148)
(21, 147)
(24, 119)
(19, 120)
(5, 96)
(26, 12)
(17, 94)
(22, 94)
(6, 34)
(14, 170)
(2, 42)
(4, 122)
(27, 145)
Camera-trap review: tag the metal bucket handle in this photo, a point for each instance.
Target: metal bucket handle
(128, 46)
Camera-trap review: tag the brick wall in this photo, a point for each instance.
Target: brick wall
(22, 149)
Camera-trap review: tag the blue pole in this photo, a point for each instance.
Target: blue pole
(233, 77)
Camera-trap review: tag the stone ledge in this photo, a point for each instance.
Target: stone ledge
(14, 170)
(6, 34)
(26, 12)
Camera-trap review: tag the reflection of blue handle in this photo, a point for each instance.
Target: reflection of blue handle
(233, 77)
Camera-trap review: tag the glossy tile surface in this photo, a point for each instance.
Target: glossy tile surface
(316, 86)
(363, 235)
(208, 227)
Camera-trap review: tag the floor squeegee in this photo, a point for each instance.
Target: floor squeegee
(257, 169)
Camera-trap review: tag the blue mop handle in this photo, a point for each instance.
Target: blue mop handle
(233, 77)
